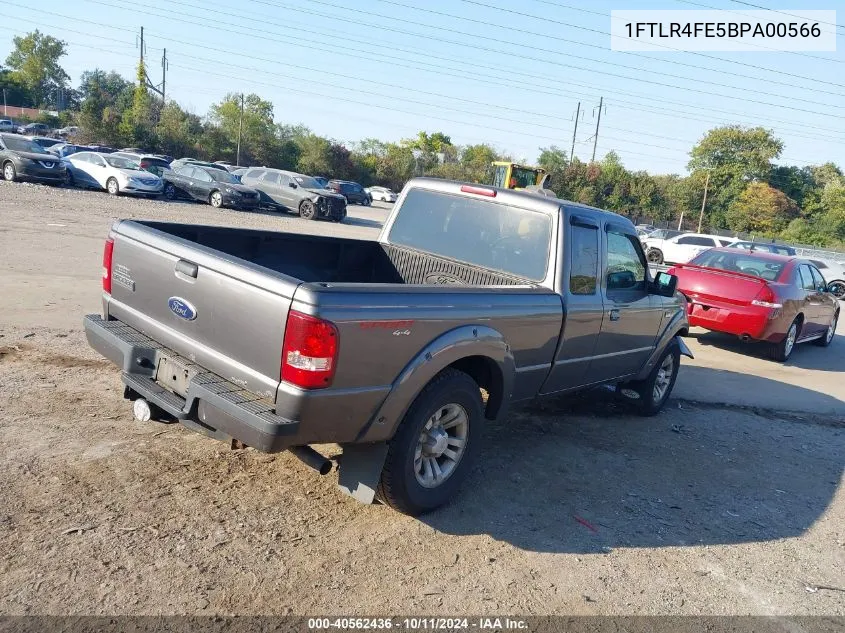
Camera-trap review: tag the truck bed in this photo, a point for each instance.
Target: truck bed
(323, 259)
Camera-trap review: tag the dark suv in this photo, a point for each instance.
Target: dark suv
(352, 191)
(22, 159)
(295, 192)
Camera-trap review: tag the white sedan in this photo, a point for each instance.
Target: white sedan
(681, 248)
(115, 174)
(381, 193)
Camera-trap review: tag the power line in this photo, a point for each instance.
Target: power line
(309, 42)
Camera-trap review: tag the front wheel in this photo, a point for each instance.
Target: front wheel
(216, 199)
(434, 447)
(827, 339)
(653, 392)
(837, 289)
(170, 192)
(9, 173)
(112, 187)
(654, 256)
(307, 210)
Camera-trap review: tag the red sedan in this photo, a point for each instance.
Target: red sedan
(759, 296)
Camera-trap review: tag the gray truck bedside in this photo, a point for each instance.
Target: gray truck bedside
(472, 299)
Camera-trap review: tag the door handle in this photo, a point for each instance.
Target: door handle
(614, 315)
(189, 269)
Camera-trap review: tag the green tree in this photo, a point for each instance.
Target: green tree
(136, 122)
(259, 142)
(104, 99)
(761, 209)
(35, 62)
(12, 86)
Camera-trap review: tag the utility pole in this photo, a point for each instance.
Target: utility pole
(164, 67)
(240, 130)
(596, 137)
(574, 132)
(703, 202)
(159, 90)
(5, 111)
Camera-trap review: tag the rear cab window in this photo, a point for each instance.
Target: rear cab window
(584, 249)
(478, 232)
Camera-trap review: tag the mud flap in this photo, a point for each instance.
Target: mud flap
(685, 351)
(360, 470)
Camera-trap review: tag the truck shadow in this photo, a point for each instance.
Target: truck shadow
(805, 355)
(581, 474)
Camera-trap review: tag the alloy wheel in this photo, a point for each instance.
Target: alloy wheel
(441, 445)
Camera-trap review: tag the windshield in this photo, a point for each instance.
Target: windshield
(739, 262)
(121, 163)
(475, 230)
(18, 144)
(222, 176)
(308, 182)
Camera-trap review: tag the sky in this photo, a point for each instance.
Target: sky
(508, 73)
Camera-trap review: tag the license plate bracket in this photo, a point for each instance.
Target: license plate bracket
(174, 375)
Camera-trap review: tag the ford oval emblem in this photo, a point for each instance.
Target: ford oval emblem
(182, 308)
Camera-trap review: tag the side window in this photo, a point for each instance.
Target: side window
(724, 242)
(696, 241)
(254, 173)
(806, 277)
(585, 260)
(817, 278)
(97, 160)
(625, 263)
(271, 178)
(284, 180)
(202, 175)
(187, 171)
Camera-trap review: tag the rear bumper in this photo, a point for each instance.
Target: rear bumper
(213, 406)
(756, 323)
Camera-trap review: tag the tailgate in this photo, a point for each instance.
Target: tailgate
(715, 287)
(218, 311)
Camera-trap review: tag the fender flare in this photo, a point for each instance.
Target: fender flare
(676, 325)
(452, 346)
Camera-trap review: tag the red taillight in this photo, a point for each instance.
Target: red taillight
(490, 193)
(767, 298)
(108, 251)
(309, 352)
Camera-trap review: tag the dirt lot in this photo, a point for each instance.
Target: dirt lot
(729, 502)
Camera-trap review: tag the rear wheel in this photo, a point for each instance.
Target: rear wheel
(170, 192)
(433, 449)
(827, 339)
(215, 199)
(9, 173)
(307, 210)
(783, 350)
(112, 187)
(654, 256)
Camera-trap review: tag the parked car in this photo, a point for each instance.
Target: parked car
(681, 248)
(282, 340)
(647, 228)
(150, 162)
(7, 125)
(759, 296)
(381, 193)
(194, 161)
(32, 129)
(297, 193)
(70, 130)
(215, 186)
(63, 150)
(21, 159)
(45, 141)
(777, 249)
(102, 149)
(834, 272)
(113, 173)
(324, 182)
(134, 150)
(352, 191)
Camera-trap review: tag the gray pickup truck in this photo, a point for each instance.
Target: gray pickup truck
(473, 298)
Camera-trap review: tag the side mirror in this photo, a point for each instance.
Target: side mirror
(622, 280)
(292, 185)
(664, 285)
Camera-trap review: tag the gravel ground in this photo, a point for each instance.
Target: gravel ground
(576, 508)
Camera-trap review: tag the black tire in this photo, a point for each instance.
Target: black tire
(112, 187)
(9, 172)
(827, 339)
(399, 487)
(783, 350)
(215, 199)
(650, 402)
(307, 210)
(69, 178)
(654, 256)
(170, 191)
(837, 288)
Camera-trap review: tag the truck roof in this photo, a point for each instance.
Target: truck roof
(523, 199)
